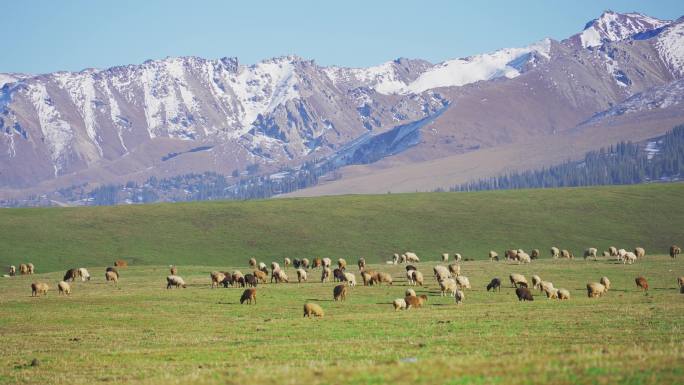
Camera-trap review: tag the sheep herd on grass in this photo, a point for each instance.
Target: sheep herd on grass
(449, 279)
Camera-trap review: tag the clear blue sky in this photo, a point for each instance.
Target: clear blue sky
(45, 36)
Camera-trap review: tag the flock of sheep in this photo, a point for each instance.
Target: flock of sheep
(449, 278)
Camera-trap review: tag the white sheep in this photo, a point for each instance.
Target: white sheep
(445, 257)
(411, 257)
(536, 282)
(399, 304)
(301, 275)
(459, 296)
(463, 282)
(447, 287)
(410, 293)
(629, 258)
(85, 275)
(174, 280)
(350, 278)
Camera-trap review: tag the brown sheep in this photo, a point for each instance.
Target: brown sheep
(23, 269)
(64, 288)
(340, 293)
(605, 282)
(317, 262)
(31, 268)
(563, 294)
(338, 275)
(121, 263)
(680, 281)
(524, 294)
(112, 276)
(535, 254)
(380, 277)
(326, 273)
(417, 301)
(567, 254)
(641, 283)
(260, 275)
(313, 310)
(248, 296)
(71, 275)
(362, 264)
(113, 269)
(251, 280)
(366, 277)
(639, 252)
(38, 288)
(455, 269)
(675, 251)
(305, 263)
(595, 289)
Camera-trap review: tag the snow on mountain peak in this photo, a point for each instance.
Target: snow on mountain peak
(612, 26)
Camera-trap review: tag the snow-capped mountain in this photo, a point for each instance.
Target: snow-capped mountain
(188, 114)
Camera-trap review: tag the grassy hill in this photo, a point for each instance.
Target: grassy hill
(227, 233)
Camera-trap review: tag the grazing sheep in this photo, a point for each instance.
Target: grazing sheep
(447, 287)
(410, 293)
(263, 267)
(409, 277)
(590, 252)
(555, 252)
(494, 284)
(325, 274)
(402, 258)
(681, 289)
(350, 278)
(249, 296)
(366, 277)
(280, 276)
(410, 267)
(395, 259)
(31, 268)
(629, 258)
(523, 257)
(301, 275)
(493, 255)
(680, 281)
(595, 290)
(340, 293)
(252, 263)
(418, 278)
(23, 269)
(613, 251)
(305, 263)
(287, 262)
(70, 275)
(463, 282)
(64, 288)
(411, 257)
(417, 301)
(641, 283)
(380, 277)
(459, 296)
(260, 275)
(546, 286)
(113, 269)
(112, 276)
(274, 266)
(621, 253)
(227, 280)
(238, 278)
(361, 263)
(38, 288)
(12, 271)
(441, 272)
(121, 263)
(341, 263)
(251, 280)
(675, 251)
(327, 262)
(606, 253)
(535, 254)
(536, 282)
(217, 278)
(455, 269)
(567, 254)
(399, 304)
(563, 294)
(84, 274)
(173, 270)
(524, 294)
(445, 257)
(605, 282)
(175, 281)
(551, 293)
(317, 262)
(312, 309)
(296, 263)
(518, 279)
(639, 252)
(457, 257)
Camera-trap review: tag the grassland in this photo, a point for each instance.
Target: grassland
(137, 332)
(227, 233)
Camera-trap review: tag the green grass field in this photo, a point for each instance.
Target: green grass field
(227, 233)
(138, 332)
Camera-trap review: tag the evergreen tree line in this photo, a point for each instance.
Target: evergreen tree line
(623, 163)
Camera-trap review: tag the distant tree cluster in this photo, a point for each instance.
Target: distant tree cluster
(624, 163)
